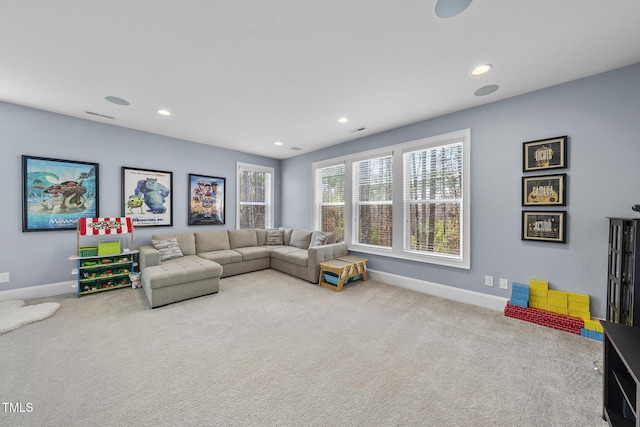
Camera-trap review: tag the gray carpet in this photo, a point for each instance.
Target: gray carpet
(270, 350)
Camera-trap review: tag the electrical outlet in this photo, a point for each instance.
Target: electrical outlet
(504, 284)
(488, 280)
(4, 277)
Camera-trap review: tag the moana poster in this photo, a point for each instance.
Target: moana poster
(56, 193)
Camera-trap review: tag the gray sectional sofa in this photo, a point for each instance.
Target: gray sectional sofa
(179, 266)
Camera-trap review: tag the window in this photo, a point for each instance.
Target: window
(329, 199)
(433, 200)
(255, 196)
(409, 200)
(372, 201)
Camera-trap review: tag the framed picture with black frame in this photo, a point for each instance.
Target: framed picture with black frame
(549, 226)
(56, 193)
(206, 200)
(147, 196)
(544, 154)
(544, 190)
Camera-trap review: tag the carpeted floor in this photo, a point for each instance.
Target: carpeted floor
(271, 350)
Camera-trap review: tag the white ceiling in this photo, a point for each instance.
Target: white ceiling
(243, 74)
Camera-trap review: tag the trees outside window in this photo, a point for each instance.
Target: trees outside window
(255, 196)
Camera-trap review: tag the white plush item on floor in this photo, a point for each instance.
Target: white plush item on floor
(14, 313)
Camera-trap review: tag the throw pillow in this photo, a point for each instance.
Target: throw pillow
(318, 239)
(300, 238)
(168, 249)
(275, 236)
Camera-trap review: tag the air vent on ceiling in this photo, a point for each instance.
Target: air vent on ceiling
(100, 115)
(357, 130)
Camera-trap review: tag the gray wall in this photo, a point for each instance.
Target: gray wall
(601, 116)
(37, 258)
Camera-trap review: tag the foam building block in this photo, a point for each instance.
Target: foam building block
(557, 302)
(567, 311)
(578, 305)
(545, 318)
(538, 294)
(520, 295)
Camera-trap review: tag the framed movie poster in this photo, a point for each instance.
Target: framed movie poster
(544, 154)
(206, 200)
(55, 193)
(544, 226)
(545, 190)
(147, 196)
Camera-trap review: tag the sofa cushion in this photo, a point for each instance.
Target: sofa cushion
(282, 251)
(275, 236)
(186, 241)
(168, 248)
(212, 240)
(331, 238)
(256, 252)
(318, 238)
(286, 236)
(300, 238)
(222, 257)
(243, 238)
(261, 235)
(298, 257)
(180, 270)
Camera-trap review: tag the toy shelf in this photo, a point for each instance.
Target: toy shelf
(107, 266)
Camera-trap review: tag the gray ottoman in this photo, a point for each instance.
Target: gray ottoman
(180, 279)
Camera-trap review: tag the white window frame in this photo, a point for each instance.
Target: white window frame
(269, 196)
(317, 193)
(397, 250)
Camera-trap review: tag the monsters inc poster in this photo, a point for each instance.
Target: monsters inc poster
(57, 192)
(147, 197)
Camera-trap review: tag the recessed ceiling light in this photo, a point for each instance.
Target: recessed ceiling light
(486, 90)
(116, 100)
(450, 8)
(296, 148)
(278, 143)
(481, 69)
(343, 120)
(164, 112)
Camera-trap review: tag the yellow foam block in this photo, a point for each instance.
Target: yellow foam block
(574, 297)
(557, 309)
(538, 288)
(590, 324)
(599, 326)
(540, 305)
(578, 306)
(559, 295)
(538, 284)
(536, 298)
(580, 314)
(558, 303)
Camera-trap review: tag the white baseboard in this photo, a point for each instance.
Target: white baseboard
(42, 291)
(449, 292)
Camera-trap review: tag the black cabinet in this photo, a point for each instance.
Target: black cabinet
(621, 391)
(623, 281)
